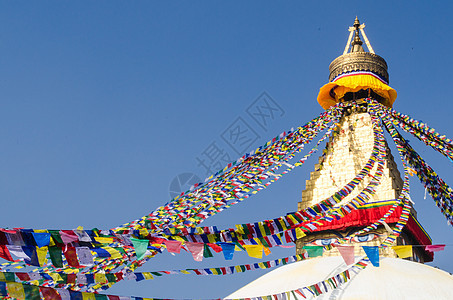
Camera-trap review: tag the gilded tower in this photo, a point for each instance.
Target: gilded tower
(355, 75)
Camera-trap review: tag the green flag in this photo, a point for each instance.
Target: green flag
(56, 256)
(206, 251)
(140, 247)
(314, 251)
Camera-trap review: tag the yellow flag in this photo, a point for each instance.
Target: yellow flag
(143, 232)
(100, 278)
(42, 253)
(299, 233)
(403, 251)
(254, 250)
(15, 290)
(211, 238)
(148, 275)
(103, 240)
(88, 296)
(56, 277)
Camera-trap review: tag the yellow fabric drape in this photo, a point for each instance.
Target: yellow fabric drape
(354, 83)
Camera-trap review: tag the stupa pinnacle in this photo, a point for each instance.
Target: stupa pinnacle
(370, 73)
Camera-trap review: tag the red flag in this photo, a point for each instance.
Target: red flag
(4, 253)
(215, 247)
(23, 276)
(49, 293)
(173, 246)
(71, 278)
(71, 257)
(434, 248)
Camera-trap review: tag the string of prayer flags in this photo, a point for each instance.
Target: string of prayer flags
(24, 291)
(84, 279)
(373, 254)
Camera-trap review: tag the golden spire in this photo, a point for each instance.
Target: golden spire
(356, 45)
(358, 72)
(358, 59)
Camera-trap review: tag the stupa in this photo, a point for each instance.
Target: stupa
(354, 76)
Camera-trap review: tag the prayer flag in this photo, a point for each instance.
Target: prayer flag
(41, 238)
(71, 257)
(82, 235)
(88, 296)
(140, 247)
(56, 256)
(215, 247)
(173, 246)
(373, 254)
(49, 293)
(84, 255)
(347, 252)
(31, 292)
(299, 233)
(196, 249)
(17, 251)
(4, 253)
(42, 255)
(434, 248)
(254, 250)
(68, 236)
(228, 250)
(103, 240)
(206, 251)
(15, 290)
(403, 251)
(314, 251)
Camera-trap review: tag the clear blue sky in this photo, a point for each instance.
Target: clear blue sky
(104, 103)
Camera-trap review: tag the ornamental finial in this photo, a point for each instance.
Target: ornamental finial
(356, 44)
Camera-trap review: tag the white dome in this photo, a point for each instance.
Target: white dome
(394, 279)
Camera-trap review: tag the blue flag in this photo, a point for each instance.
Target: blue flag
(228, 250)
(373, 254)
(41, 238)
